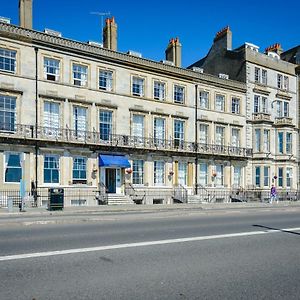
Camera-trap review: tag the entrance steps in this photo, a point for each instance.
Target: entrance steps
(118, 199)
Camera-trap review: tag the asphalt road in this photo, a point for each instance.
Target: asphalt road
(234, 254)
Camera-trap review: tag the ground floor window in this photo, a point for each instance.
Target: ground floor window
(220, 175)
(79, 170)
(13, 168)
(289, 176)
(257, 176)
(182, 173)
(138, 172)
(280, 177)
(237, 176)
(159, 172)
(51, 169)
(203, 174)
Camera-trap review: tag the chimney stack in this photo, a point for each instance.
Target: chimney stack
(173, 52)
(25, 12)
(110, 34)
(274, 48)
(223, 38)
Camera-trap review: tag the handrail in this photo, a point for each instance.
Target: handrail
(180, 193)
(103, 197)
(133, 194)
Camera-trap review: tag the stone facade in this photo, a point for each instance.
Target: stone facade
(72, 102)
(271, 104)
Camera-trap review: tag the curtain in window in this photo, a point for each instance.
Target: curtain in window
(138, 126)
(159, 129)
(80, 121)
(13, 170)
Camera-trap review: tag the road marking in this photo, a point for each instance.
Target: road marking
(143, 244)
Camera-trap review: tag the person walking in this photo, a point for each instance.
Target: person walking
(273, 194)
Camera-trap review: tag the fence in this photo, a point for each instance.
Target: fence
(245, 195)
(73, 196)
(91, 196)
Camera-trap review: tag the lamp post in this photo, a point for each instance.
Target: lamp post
(196, 139)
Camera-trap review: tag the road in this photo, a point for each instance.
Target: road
(191, 254)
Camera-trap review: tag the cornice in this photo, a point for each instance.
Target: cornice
(37, 38)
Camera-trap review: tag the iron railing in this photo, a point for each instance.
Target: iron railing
(67, 135)
(212, 195)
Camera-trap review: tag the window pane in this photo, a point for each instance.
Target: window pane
(8, 60)
(138, 172)
(7, 113)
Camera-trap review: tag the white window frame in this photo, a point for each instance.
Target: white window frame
(220, 135)
(138, 86)
(8, 113)
(203, 174)
(289, 177)
(219, 179)
(159, 90)
(257, 133)
(235, 105)
(57, 158)
(179, 94)
(257, 75)
(220, 102)
(81, 179)
(51, 69)
(237, 175)
(105, 80)
(204, 99)
(80, 121)
(136, 131)
(182, 173)
(203, 133)
(257, 174)
(6, 159)
(264, 76)
(288, 142)
(81, 77)
(178, 133)
(10, 56)
(138, 171)
(159, 173)
(267, 140)
(235, 137)
(105, 136)
(279, 81)
(266, 176)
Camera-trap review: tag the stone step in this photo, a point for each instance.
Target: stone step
(115, 199)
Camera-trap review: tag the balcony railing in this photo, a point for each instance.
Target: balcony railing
(48, 134)
(284, 121)
(261, 117)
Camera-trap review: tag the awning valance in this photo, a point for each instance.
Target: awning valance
(117, 161)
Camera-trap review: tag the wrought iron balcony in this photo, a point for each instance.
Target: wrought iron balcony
(94, 138)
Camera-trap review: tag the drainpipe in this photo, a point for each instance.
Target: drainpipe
(196, 139)
(36, 124)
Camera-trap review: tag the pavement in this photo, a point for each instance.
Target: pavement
(39, 211)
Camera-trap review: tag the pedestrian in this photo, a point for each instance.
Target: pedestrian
(273, 194)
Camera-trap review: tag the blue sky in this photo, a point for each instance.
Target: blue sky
(147, 26)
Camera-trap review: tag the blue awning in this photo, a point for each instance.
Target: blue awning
(117, 161)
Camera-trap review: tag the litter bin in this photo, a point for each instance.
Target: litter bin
(55, 199)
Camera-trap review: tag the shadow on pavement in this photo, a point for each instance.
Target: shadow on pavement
(272, 228)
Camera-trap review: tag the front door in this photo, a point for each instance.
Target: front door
(110, 180)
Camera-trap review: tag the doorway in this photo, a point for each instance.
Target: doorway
(110, 180)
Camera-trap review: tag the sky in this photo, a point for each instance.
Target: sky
(147, 26)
